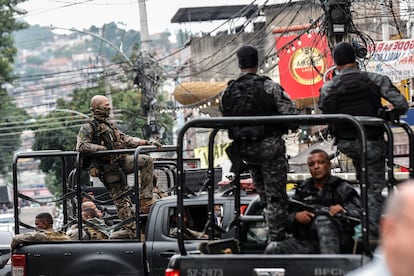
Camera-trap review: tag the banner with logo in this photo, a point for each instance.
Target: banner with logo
(394, 58)
(302, 63)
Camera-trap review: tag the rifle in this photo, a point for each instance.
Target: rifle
(321, 210)
(107, 138)
(110, 143)
(238, 165)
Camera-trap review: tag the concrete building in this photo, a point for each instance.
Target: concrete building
(212, 61)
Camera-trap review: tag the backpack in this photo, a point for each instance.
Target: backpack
(246, 96)
(357, 95)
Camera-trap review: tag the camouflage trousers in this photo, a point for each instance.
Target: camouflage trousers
(376, 151)
(327, 240)
(114, 179)
(268, 166)
(146, 171)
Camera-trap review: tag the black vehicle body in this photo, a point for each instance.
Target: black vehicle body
(147, 255)
(251, 259)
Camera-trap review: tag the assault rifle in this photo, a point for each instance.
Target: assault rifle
(108, 140)
(321, 210)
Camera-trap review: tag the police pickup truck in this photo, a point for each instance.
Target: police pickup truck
(248, 256)
(147, 255)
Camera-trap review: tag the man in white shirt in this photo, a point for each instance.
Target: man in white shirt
(396, 255)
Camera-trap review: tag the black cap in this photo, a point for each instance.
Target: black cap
(343, 53)
(247, 56)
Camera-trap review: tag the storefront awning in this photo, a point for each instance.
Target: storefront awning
(188, 93)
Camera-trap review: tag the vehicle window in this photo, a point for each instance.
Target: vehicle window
(5, 237)
(195, 218)
(257, 231)
(7, 220)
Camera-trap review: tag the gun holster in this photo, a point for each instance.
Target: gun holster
(238, 166)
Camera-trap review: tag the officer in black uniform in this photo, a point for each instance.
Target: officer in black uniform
(359, 93)
(320, 225)
(262, 148)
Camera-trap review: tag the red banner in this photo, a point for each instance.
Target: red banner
(302, 64)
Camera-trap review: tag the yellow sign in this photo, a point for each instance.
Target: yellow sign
(219, 153)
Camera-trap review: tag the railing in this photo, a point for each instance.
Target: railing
(226, 122)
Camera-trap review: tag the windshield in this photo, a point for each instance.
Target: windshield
(7, 220)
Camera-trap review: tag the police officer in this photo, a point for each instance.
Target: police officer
(101, 134)
(359, 93)
(262, 148)
(44, 232)
(318, 232)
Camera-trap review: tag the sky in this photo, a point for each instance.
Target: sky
(82, 14)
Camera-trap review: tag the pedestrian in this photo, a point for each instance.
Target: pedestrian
(262, 148)
(44, 232)
(218, 215)
(101, 134)
(395, 255)
(360, 93)
(319, 225)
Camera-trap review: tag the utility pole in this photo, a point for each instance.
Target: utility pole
(108, 93)
(143, 21)
(384, 19)
(147, 78)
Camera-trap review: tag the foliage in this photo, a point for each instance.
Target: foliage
(10, 115)
(10, 130)
(8, 24)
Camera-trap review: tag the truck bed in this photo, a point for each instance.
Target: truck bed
(255, 264)
(114, 257)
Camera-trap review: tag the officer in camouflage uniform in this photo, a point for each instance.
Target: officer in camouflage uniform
(359, 93)
(262, 148)
(44, 232)
(101, 134)
(319, 232)
(96, 229)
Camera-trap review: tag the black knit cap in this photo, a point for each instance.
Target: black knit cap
(247, 56)
(343, 53)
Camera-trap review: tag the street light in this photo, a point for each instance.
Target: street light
(72, 111)
(107, 93)
(145, 71)
(98, 37)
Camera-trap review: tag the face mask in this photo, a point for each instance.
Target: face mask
(101, 113)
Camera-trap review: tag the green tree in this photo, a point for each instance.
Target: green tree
(10, 116)
(11, 127)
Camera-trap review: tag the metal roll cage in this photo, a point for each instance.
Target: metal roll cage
(220, 123)
(76, 176)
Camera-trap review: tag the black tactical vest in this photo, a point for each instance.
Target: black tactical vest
(246, 97)
(357, 95)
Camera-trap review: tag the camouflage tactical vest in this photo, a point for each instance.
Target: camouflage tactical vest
(94, 234)
(56, 236)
